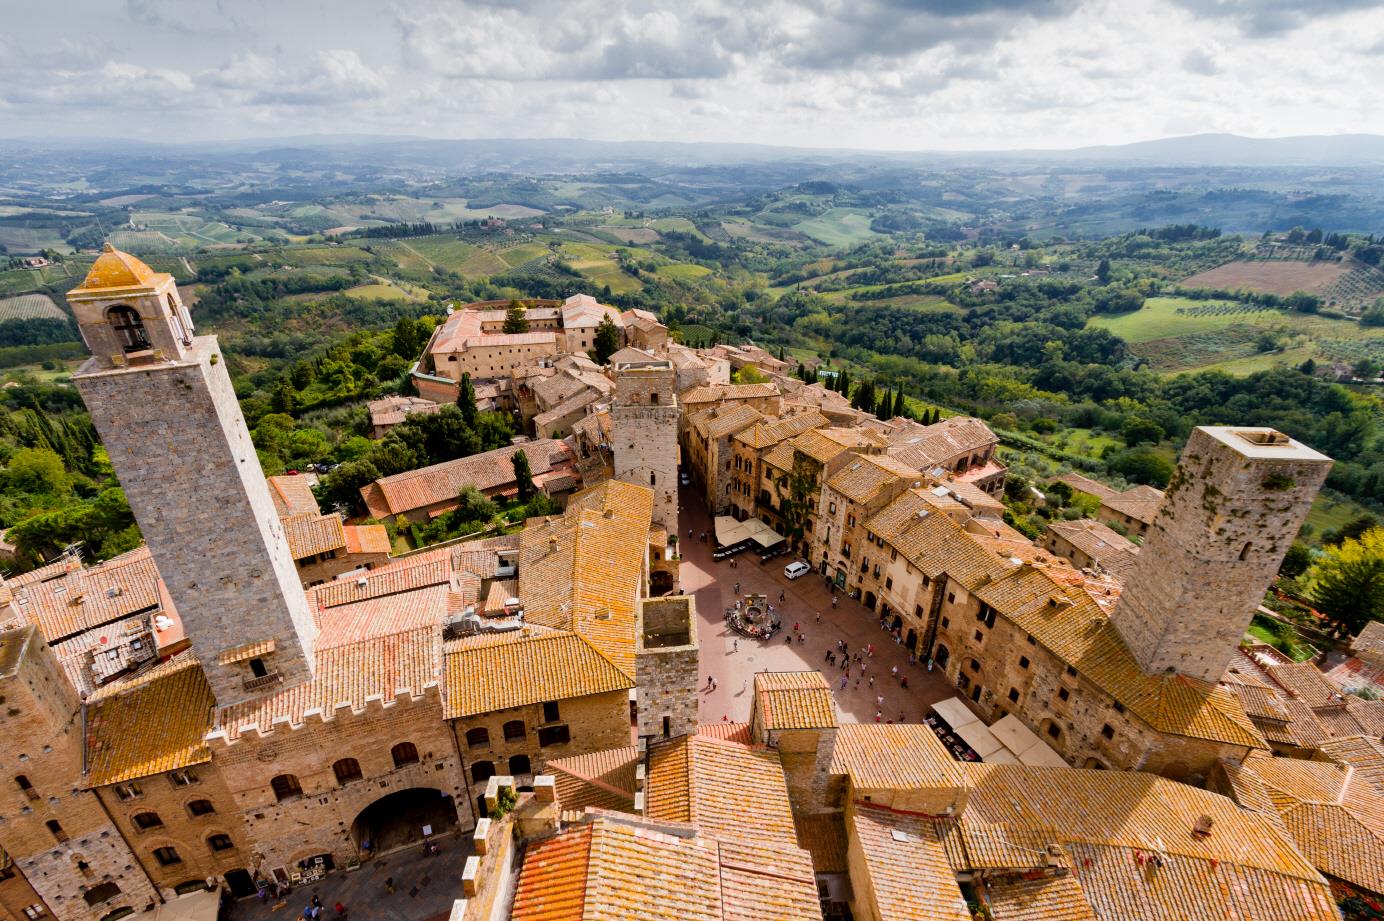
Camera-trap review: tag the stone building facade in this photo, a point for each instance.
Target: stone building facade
(1238, 497)
(644, 424)
(667, 667)
(160, 396)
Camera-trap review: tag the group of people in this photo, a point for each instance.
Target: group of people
(313, 912)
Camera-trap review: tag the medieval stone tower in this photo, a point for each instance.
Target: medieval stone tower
(666, 666)
(644, 431)
(58, 833)
(1232, 509)
(163, 403)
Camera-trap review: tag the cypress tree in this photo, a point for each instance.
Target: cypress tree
(466, 399)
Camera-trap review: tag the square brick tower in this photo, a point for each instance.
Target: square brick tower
(1230, 513)
(644, 432)
(168, 416)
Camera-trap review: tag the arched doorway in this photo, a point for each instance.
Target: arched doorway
(870, 600)
(398, 820)
(941, 655)
(912, 641)
(897, 623)
(242, 886)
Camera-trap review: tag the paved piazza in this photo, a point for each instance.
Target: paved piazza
(713, 584)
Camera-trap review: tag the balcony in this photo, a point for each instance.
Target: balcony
(263, 681)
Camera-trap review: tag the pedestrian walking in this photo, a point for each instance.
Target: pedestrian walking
(894, 671)
(735, 645)
(828, 656)
(845, 647)
(903, 682)
(737, 589)
(879, 701)
(819, 617)
(389, 880)
(833, 601)
(802, 638)
(844, 679)
(708, 682)
(929, 663)
(714, 685)
(840, 646)
(872, 681)
(781, 597)
(797, 626)
(878, 715)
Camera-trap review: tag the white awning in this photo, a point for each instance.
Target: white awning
(195, 906)
(978, 736)
(1030, 749)
(762, 534)
(729, 531)
(1041, 755)
(954, 712)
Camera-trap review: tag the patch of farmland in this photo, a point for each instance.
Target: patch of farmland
(632, 234)
(1269, 276)
(30, 307)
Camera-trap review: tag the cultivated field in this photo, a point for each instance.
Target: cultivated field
(1272, 277)
(29, 307)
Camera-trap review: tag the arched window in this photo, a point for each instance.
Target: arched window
(347, 770)
(100, 893)
(1244, 551)
(481, 771)
(258, 668)
(404, 753)
(519, 764)
(200, 807)
(286, 786)
(167, 856)
(129, 328)
(514, 730)
(220, 842)
(147, 820)
(478, 737)
(55, 829)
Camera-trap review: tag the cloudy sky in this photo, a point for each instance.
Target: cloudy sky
(887, 74)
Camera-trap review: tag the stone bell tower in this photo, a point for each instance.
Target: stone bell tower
(644, 432)
(1236, 502)
(163, 403)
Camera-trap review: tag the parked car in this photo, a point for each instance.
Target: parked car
(796, 569)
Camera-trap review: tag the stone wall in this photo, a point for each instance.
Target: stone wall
(41, 725)
(666, 666)
(1227, 519)
(644, 432)
(187, 833)
(320, 819)
(179, 444)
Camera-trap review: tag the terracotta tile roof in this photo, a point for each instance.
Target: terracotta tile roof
(346, 675)
(603, 779)
(934, 543)
(314, 533)
(1370, 640)
(1103, 545)
(824, 837)
(704, 781)
(715, 393)
(1087, 485)
(721, 421)
(292, 495)
(582, 571)
(1071, 625)
(1140, 503)
(395, 409)
(899, 756)
(729, 732)
(552, 881)
(1364, 754)
(794, 700)
(927, 446)
(584, 310)
(150, 724)
(500, 671)
(405, 575)
(1336, 817)
(1014, 812)
(825, 445)
(909, 877)
(416, 489)
(356, 621)
(1303, 681)
(1058, 898)
(367, 538)
(770, 432)
(615, 869)
(863, 480)
(780, 456)
(66, 602)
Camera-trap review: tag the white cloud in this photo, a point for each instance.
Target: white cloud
(916, 74)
